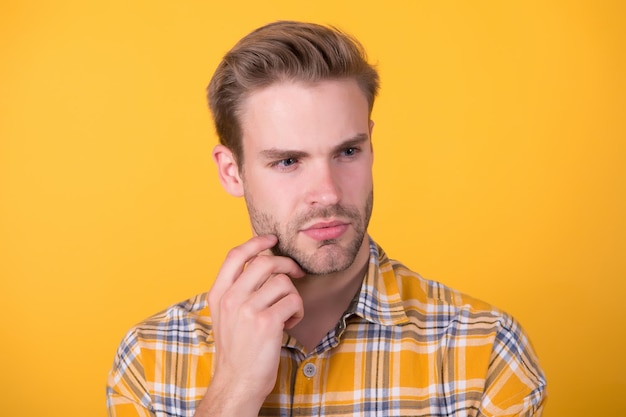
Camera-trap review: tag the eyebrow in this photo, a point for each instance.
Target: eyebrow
(277, 154)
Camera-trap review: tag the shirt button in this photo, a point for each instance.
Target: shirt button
(309, 370)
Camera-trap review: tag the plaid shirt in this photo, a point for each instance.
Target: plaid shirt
(405, 347)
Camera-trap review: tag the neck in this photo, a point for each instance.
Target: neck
(327, 297)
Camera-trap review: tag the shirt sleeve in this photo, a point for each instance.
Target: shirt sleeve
(127, 393)
(515, 385)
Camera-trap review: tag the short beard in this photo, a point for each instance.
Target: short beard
(333, 258)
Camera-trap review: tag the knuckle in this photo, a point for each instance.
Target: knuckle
(262, 262)
(282, 281)
(247, 312)
(295, 301)
(268, 321)
(234, 253)
(228, 302)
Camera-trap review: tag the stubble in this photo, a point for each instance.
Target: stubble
(330, 255)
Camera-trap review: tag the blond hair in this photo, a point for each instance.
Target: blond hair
(283, 51)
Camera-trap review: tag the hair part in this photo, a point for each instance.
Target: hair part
(283, 51)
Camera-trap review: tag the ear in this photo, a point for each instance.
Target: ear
(228, 171)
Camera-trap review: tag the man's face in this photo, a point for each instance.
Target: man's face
(307, 170)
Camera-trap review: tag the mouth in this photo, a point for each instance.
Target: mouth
(326, 230)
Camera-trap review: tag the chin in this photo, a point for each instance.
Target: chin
(328, 258)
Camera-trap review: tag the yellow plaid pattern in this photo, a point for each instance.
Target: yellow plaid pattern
(405, 347)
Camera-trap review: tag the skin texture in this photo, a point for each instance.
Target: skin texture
(307, 181)
(335, 257)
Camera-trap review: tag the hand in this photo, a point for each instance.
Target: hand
(252, 301)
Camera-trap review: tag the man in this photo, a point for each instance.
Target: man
(309, 316)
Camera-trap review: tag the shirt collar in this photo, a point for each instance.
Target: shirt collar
(379, 299)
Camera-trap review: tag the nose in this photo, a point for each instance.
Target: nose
(323, 185)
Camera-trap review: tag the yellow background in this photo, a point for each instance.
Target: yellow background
(500, 170)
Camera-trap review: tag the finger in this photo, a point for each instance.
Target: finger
(236, 260)
(275, 288)
(273, 292)
(256, 275)
(289, 310)
(277, 300)
(259, 270)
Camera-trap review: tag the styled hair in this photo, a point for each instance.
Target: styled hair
(283, 51)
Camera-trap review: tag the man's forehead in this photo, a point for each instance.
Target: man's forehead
(286, 89)
(294, 113)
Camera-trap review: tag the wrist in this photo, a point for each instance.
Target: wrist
(229, 399)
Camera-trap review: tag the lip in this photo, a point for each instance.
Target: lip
(326, 230)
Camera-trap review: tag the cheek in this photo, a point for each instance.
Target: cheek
(357, 183)
(276, 200)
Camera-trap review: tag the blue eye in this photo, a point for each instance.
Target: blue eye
(286, 162)
(352, 151)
